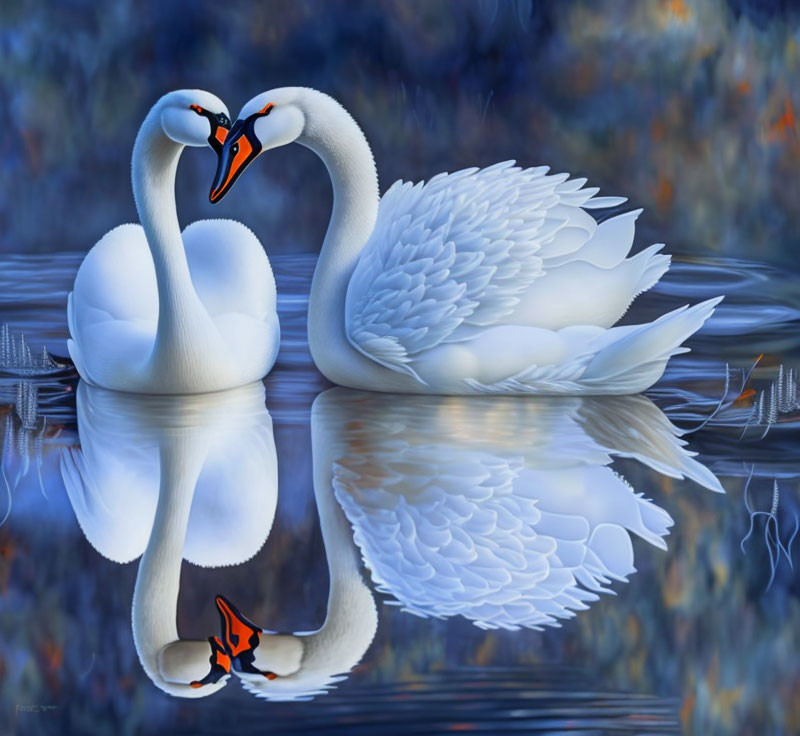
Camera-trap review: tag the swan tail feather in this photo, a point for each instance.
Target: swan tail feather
(638, 359)
(654, 265)
(654, 523)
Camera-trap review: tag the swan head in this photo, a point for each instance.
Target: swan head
(269, 120)
(193, 117)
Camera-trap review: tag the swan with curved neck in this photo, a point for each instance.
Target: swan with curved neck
(298, 666)
(157, 311)
(482, 281)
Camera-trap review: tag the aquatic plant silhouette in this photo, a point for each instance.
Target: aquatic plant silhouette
(776, 547)
(17, 358)
(731, 393)
(780, 399)
(22, 437)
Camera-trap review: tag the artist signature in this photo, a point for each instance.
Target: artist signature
(35, 708)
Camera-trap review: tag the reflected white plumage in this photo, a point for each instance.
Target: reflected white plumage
(505, 511)
(169, 478)
(482, 281)
(154, 310)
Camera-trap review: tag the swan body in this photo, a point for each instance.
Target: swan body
(505, 512)
(170, 478)
(494, 280)
(154, 310)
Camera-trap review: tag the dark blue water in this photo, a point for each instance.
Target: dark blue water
(702, 638)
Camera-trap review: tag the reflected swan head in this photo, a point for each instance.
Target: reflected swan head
(170, 477)
(299, 666)
(279, 655)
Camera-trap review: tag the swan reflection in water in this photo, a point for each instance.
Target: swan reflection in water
(169, 478)
(505, 511)
(502, 510)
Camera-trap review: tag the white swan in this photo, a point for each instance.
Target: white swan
(157, 311)
(504, 511)
(299, 666)
(493, 280)
(168, 478)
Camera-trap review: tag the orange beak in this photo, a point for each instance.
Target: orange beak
(240, 149)
(238, 152)
(218, 123)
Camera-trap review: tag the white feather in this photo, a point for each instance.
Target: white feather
(494, 280)
(450, 261)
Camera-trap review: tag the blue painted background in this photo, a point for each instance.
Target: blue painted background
(688, 108)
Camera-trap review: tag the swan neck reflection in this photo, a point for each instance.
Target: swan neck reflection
(155, 595)
(168, 478)
(321, 658)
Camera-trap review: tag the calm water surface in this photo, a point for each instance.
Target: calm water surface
(496, 565)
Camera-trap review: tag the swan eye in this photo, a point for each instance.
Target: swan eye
(224, 120)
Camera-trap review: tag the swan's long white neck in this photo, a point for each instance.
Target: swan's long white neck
(155, 596)
(183, 322)
(352, 617)
(335, 137)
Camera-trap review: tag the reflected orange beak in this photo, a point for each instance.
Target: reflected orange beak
(240, 637)
(220, 664)
(238, 633)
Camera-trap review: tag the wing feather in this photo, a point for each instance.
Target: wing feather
(457, 253)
